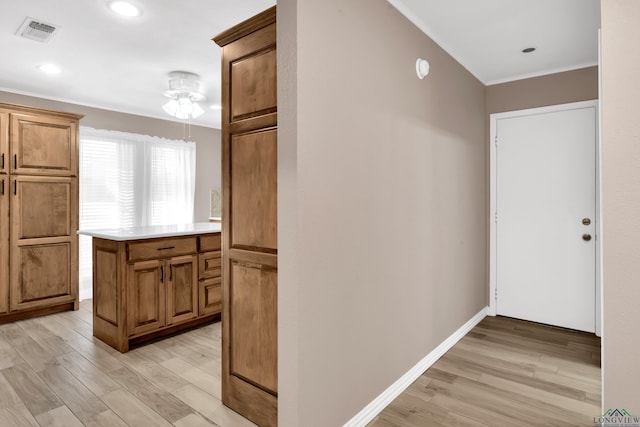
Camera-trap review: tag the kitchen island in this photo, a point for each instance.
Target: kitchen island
(153, 281)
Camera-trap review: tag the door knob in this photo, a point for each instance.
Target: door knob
(586, 237)
(586, 221)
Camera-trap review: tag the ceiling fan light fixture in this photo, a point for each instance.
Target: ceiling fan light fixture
(184, 91)
(197, 111)
(171, 107)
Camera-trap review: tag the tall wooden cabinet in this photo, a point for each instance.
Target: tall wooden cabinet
(38, 211)
(249, 219)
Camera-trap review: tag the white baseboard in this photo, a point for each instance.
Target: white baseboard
(370, 411)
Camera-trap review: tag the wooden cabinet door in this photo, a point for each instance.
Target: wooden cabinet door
(145, 297)
(210, 274)
(43, 145)
(4, 142)
(249, 219)
(210, 298)
(4, 243)
(210, 265)
(43, 244)
(182, 289)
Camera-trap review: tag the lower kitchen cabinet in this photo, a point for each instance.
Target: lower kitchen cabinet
(146, 297)
(147, 288)
(182, 289)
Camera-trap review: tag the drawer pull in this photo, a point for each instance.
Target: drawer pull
(167, 248)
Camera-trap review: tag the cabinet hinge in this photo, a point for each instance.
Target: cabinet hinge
(495, 218)
(496, 140)
(496, 294)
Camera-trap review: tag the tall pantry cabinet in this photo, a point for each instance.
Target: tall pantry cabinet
(38, 211)
(250, 219)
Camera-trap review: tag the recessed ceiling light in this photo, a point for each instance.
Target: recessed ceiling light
(50, 69)
(216, 107)
(528, 50)
(124, 8)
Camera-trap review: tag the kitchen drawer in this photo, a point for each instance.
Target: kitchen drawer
(210, 242)
(209, 265)
(161, 248)
(210, 296)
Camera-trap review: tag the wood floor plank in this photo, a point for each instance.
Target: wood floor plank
(8, 396)
(411, 411)
(17, 416)
(33, 392)
(196, 376)
(457, 420)
(157, 374)
(107, 418)
(179, 350)
(59, 417)
(10, 357)
(90, 375)
(165, 404)
(132, 410)
(103, 359)
(199, 400)
(36, 355)
(78, 398)
(226, 417)
(154, 353)
(35, 329)
(14, 334)
(194, 420)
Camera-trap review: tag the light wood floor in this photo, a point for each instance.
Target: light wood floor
(54, 373)
(506, 372)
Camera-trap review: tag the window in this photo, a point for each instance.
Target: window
(131, 180)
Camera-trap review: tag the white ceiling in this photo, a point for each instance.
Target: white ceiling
(116, 63)
(487, 36)
(123, 64)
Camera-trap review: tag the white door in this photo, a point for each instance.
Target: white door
(545, 216)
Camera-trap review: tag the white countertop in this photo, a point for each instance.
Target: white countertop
(153, 232)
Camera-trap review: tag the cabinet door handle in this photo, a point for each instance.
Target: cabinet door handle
(15, 161)
(2, 192)
(162, 273)
(15, 188)
(2, 167)
(167, 248)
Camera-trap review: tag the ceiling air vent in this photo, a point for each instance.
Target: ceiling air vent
(35, 29)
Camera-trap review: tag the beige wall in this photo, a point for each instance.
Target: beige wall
(382, 210)
(208, 155)
(621, 203)
(288, 283)
(552, 89)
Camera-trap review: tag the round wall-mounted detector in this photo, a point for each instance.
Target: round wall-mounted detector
(422, 68)
(528, 50)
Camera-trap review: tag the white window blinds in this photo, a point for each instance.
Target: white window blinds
(131, 180)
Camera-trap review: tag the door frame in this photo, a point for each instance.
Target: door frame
(493, 258)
